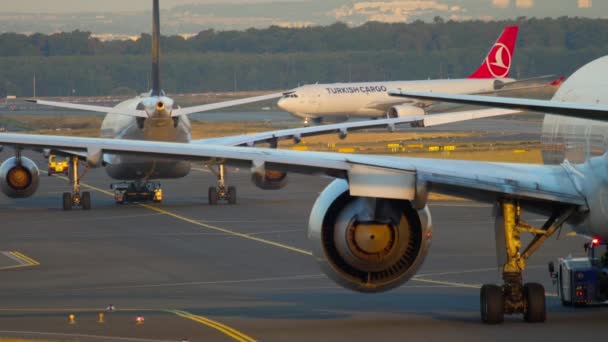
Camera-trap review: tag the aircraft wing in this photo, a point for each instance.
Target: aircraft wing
(374, 176)
(92, 108)
(343, 128)
(577, 110)
(225, 104)
(385, 105)
(143, 114)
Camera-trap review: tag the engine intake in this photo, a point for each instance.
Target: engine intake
(19, 177)
(406, 111)
(368, 244)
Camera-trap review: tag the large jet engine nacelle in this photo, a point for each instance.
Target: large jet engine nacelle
(368, 244)
(19, 177)
(269, 179)
(404, 111)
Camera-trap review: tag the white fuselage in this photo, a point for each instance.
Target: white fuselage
(370, 99)
(157, 127)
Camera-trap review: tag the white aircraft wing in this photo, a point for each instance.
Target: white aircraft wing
(374, 176)
(141, 113)
(225, 104)
(578, 110)
(92, 108)
(343, 128)
(386, 104)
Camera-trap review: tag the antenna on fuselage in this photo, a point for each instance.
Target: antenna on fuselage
(156, 89)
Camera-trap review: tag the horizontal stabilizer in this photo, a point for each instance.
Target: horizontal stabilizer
(90, 108)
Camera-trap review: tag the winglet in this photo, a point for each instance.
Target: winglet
(497, 63)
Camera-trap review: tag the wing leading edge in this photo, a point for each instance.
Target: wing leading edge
(577, 110)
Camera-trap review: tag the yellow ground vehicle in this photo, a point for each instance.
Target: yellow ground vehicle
(57, 165)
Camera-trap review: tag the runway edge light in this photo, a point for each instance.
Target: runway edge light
(72, 319)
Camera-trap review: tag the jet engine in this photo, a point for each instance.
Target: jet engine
(404, 111)
(269, 179)
(368, 244)
(19, 177)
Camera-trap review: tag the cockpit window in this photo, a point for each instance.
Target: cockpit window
(294, 96)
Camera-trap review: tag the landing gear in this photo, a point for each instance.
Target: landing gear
(76, 199)
(515, 297)
(137, 191)
(221, 192)
(312, 121)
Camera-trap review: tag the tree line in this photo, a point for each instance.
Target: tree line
(75, 63)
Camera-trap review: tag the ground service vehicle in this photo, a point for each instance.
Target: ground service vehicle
(583, 281)
(57, 166)
(137, 192)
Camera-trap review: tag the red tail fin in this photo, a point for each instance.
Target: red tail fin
(498, 62)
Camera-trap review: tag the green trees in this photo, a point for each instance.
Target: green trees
(282, 58)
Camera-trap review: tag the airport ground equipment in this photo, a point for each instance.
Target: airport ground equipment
(144, 191)
(583, 281)
(57, 166)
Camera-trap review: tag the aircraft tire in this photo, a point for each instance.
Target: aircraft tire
(213, 196)
(534, 295)
(86, 200)
(67, 201)
(231, 195)
(492, 304)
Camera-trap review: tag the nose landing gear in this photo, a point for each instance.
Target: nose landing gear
(221, 192)
(515, 297)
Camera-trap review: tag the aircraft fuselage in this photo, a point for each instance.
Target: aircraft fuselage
(157, 127)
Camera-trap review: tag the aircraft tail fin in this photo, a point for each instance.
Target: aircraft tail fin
(156, 88)
(497, 64)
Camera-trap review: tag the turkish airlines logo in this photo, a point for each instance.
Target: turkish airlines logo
(499, 60)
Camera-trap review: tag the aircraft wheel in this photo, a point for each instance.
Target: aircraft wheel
(67, 201)
(49, 173)
(213, 196)
(492, 304)
(86, 200)
(231, 195)
(534, 295)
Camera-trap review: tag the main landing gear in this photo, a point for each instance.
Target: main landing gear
(221, 192)
(515, 297)
(76, 199)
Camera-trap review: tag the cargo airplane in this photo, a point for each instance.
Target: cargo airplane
(371, 228)
(154, 117)
(316, 103)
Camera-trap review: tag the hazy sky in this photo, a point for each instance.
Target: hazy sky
(132, 16)
(33, 6)
(106, 5)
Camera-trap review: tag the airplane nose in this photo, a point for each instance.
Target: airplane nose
(283, 104)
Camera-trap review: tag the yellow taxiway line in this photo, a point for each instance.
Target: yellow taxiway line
(226, 330)
(269, 242)
(24, 261)
(207, 226)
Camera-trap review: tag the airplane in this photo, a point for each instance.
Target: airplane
(340, 101)
(371, 228)
(155, 117)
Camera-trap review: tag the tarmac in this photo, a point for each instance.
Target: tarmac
(244, 272)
